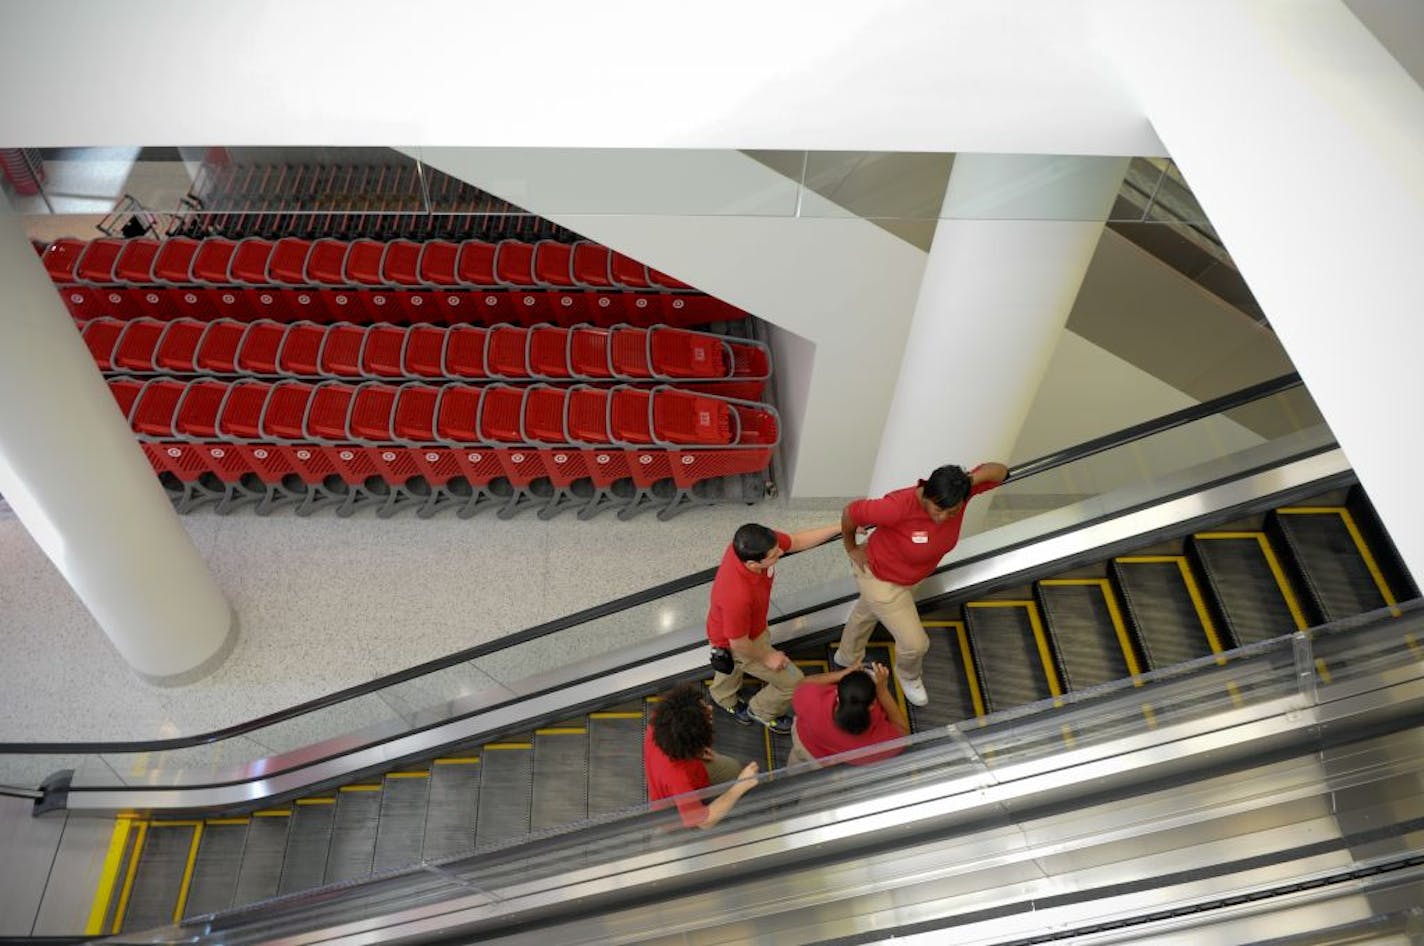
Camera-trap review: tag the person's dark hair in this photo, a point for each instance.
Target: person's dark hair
(753, 542)
(854, 696)
(947, 486)
(681, 727)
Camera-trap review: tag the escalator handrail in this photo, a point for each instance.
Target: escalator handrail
(1080, 451)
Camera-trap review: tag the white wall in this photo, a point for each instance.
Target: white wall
(844, 285)
(911, 75)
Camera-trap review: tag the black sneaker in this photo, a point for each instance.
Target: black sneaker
(781, 725)
(741, 714)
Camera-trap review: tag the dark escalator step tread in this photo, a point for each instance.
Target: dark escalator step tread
(615, 764)
(1159, 606)
(1334, 574)
(1396, 574)
(219, 862)
(506, 792)
(743, 743)
(946, 678)
(157, 882)
(262, 858)
(353, 833)
(453, 807)
(308, 841)
(560, 777)
(1083, 618)
(402, 823)
(1253, 599)
(1007, 653)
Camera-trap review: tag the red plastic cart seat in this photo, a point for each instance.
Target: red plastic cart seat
(507, 352)
(664, 281)
(125, 392)
(501, 414)
(678, 353)
(197, 415)
(475, 265)
(629, 419)
(588, 352)
(288, 262)
(628, 349)
(178, 349)
(61, 257)
(260, 345)
(217, 351)
(588, 415)
(300, 348)
(415, 413)
(134, 263)
(138, 344)
(330, 414)
(241, 416)
(363, 263)
(437, 263)
(326, 262)
(459, 414)
(425, 352)
(590, 265)
(100, 336)
(249, 262)
(341, 353)
(548, 353)
(213, 260)
(514, 264)
(680, 417)
(401, 264)
(544, 408)
(372, 413)
(96, 263)
(465, 352)
(174, 262)
(284, 416)
(553, 264)
(628, 273)
(153, 411)
(383, 354)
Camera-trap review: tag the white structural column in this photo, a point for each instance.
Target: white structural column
(1304, 141)
(1015, 237)
(73, 474)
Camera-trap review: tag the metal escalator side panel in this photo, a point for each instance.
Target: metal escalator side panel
(560, 787)
(218, 864)
(401, 829)
(615, 763)
(453, 807)
(353, 833)
(506, 792)
(308, 841)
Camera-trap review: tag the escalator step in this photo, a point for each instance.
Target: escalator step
(615, 761)
(1092, 638)
(506, 792)
(308, 841)
(159, 878)
(743, 743)
(1012, 653)
(353, 833)
(1249, 590)
(1396, 576)
(560, 777)
(1336, 572)
(262, 857)
(219, 861)
(453, 807)
(1164, 608)
(954, 694)
(402, 823)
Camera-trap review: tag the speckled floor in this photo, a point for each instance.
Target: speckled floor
(327, 603)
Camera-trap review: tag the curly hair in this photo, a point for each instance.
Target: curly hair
(681, 727)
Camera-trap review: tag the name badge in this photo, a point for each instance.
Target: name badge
(920, 538)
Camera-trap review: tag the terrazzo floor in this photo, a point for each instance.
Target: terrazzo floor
(326, 603)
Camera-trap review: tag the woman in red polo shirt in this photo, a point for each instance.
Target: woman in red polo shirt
(914, 528)
(845, 710)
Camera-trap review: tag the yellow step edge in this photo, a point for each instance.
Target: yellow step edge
(174, 824)
(407, 775)
(1045, 653)
(459, 760)
(562, 731)
(273, 813)
(212, 821)
(1322, 670)
(316, 801)
(625, 715)
(1273, 563)
(997, 604)
(509, 745)
(1114, 615)
(820, 666)
(186, 885)
(1227, 535)
(1199, 604)
(129, 876)
(971, 673)
(652, 699)
(1309, 510)
(108, 876)
(1368, 556)
(359, 788)
(1149, 559)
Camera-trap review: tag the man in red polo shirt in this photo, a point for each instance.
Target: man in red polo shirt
(914, 528)
(736, 620)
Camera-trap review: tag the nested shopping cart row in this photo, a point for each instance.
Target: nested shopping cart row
(531, 445)
(268, 348)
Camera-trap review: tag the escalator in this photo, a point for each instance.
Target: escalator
(1033, 622)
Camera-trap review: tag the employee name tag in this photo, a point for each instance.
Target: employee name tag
(920, 538)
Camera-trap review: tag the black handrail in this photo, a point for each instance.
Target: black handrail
(1033, 467)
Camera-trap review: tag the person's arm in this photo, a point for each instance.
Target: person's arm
(887, 701)
(810, 538)
(853, 549)
(988, 475)
(758, 649)
(724, 802)
(833, 677)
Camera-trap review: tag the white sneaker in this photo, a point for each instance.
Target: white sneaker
(914, 691)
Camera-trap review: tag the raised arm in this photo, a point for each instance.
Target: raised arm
(833, 677)
(724, 802)
(989, 473)
(887, 700)
(853, 549)
(810, 538)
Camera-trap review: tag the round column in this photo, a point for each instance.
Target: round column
(78, 481)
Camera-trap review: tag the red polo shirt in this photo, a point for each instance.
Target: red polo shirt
(669, 777)
(906, 544)
(815, 702)
(740, 597)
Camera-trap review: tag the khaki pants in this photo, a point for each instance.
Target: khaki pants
(894, 607)
(798, 754)
(771, 701)
(721, 768)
